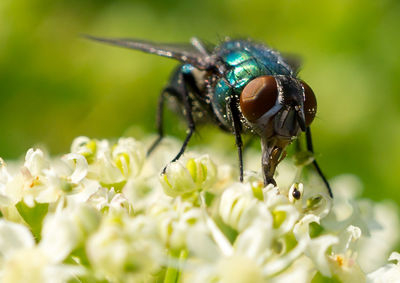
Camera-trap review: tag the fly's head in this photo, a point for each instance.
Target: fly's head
(278, 108)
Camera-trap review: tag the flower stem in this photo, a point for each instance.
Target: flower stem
(174, 270)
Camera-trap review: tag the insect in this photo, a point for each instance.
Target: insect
(242, 86)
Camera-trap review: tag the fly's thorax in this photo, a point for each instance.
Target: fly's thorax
(242, 61)
(241, 67)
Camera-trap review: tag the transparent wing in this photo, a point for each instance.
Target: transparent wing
(186, 53)
(293, 60)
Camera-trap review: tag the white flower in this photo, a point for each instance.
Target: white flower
(388, 273)
(175, 220)
(35, 161)
(79, 165)
(239, 269)
(129, 155)
(125, 249)
(177, 180)
(104, 169)
(105, 199)
(66, 229)
(239, 207)
(23, 261)
(384, 227)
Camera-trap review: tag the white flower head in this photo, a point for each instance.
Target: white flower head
(103, 213)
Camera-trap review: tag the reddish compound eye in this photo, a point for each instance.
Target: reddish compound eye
(258, 97)
(310, 103)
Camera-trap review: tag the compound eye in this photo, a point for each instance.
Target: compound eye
(310, 103)
(258, 97)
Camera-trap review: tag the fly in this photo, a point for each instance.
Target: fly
(243, 87)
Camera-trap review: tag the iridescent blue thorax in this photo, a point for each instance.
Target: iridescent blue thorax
(243, 61)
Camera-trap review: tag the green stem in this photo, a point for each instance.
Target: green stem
(174, 271)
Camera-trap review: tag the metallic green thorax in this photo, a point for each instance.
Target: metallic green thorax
(244, 61)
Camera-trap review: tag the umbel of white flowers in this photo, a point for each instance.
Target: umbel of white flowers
(104, 213)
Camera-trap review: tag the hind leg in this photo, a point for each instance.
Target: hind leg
(160, 117)
(183, 94)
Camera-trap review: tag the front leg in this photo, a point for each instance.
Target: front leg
(169, 90)
(237, 128)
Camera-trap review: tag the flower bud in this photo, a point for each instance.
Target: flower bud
(128, 155)
(199, 173)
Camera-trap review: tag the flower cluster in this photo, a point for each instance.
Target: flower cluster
(104, 213)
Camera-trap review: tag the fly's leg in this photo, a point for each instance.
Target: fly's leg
(311, 149)
(237, 127)
(182, 93)
(160, 117)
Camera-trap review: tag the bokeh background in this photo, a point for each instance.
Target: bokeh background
(55, 85)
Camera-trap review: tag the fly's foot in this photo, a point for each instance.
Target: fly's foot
(269, 181)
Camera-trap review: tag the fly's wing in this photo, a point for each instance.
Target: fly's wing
(185, 53)
(293, 60)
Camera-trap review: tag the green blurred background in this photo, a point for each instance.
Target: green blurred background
(55, 85)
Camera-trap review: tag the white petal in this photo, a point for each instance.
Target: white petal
(4, 175)
(35, 161)
(388, 273)
(239, 269)
(14, 236)
(219, 238)
(301, 271)
(292, 215)
(255, 241)
(61, 273)
(384, 229)
(279, 264)
(59, 236)
(201, 244)
(25, 265)
(395, 256)
(346, 239)
(317, 250)
(177, 180)
(78, 145)
(79, 165)
(135, 152)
